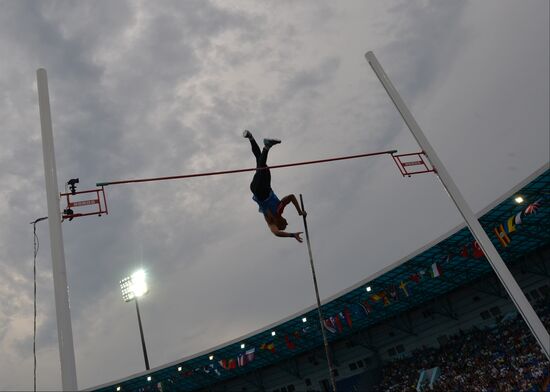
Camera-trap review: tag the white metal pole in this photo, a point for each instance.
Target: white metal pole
(512, 288)
(61, 288)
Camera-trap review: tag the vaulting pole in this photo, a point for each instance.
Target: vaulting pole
(59, 271)
(512, 288)
(325, 341)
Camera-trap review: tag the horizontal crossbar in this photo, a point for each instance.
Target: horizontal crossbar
(243, 170)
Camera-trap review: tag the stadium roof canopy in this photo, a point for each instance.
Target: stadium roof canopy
(402, 286)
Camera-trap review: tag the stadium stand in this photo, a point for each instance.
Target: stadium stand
(441, 307)
(501, 357)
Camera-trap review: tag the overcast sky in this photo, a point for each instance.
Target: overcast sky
(161, 88)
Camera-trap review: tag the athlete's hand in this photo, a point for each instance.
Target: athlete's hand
(303, 213)
(297, 236)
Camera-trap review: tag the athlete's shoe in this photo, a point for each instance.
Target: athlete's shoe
(268, 143)
(247, 134)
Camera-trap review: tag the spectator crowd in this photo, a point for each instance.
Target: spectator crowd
(505, 357)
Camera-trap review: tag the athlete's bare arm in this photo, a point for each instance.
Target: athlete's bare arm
(280, 233)
(288, 199)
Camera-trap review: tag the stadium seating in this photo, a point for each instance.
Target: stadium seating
(501, 358)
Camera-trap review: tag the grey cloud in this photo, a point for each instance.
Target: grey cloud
(422, 40)
(143, 89)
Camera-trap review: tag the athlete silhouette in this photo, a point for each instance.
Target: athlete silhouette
(269, 204)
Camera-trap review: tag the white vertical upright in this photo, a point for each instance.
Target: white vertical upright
(61, 287)
(503, 273)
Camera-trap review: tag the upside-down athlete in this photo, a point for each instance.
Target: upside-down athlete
(269, 204)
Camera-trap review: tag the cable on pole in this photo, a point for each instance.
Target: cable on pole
(325, 341)
(36, 247)
(215, 173)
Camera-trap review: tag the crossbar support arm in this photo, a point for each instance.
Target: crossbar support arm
(500, 268)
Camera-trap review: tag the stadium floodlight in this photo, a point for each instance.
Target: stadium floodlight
(273, 333)
(304, 320)
(133, 287)
(368, 289)
(211, 357)
(518, 199)
(179, 368)
(242, 345)
(148, 378)
(118, 389)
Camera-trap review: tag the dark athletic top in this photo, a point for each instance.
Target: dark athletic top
(269, 204)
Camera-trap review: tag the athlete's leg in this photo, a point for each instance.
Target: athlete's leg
(268, 143)
(261, 183)
(255, 148)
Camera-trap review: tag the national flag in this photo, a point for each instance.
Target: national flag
(208, 368)
(532, 208)
(232, 364)
(336, 322)
(223, 363)
(502, 236)
(347, 316)
(216, 370)
(366, 306)
(241, 360)
(250, 354)
(393, 293)
(268, 346)
(356, 310)
(517, 219)
(464, 251)
(289, 343)
(329, 325)
(477, 252)
(435, 270)
(381, 296)
(375, 297)
(415, 278)
(510, 226)
(403, 286)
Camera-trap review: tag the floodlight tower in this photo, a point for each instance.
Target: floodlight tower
(133, 287)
